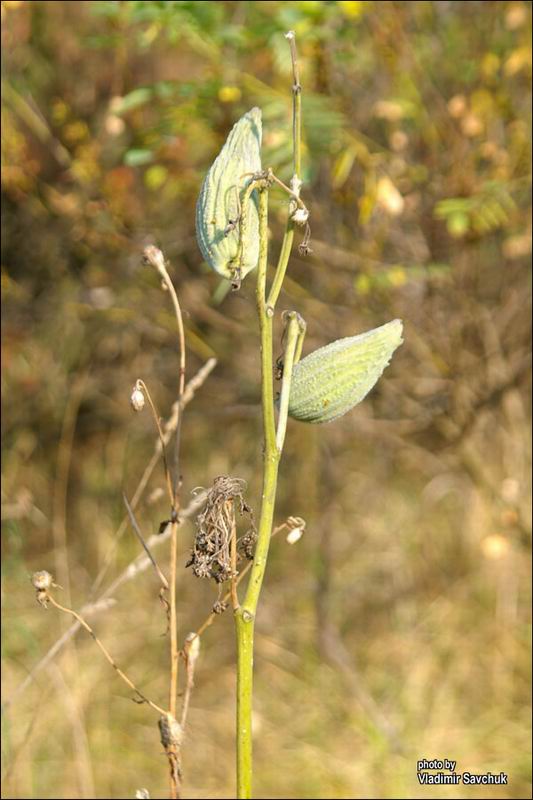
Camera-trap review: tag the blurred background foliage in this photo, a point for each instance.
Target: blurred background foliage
(398, 627)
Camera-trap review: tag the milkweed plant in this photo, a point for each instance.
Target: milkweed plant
(232, 234)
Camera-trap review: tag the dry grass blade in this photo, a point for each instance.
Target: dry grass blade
(137, 531)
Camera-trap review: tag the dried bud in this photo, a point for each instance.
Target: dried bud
(137, 398)
(300, 216)
(42, 580)
(295, 535)
(219, 607)
(218, 211)
(333, 379)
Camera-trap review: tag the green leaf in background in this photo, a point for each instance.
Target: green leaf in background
(138, 158)
(138, 97)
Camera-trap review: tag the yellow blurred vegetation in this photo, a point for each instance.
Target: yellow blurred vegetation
(398, 627)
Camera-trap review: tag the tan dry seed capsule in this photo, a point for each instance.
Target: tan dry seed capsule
(137, 398)
(294, 535)
(42, 580)
(218, 208)
(333, 379)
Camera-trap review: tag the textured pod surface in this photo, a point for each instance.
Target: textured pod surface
(333, 379)
(218, 205)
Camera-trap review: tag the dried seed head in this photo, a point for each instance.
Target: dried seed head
(154, 257)
(211, 556)
(300, 216)
(142, 794)
(137, 399)
(333, 379)
(42, 580)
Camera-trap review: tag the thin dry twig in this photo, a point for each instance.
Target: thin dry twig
(137, 530)
(169, 428)
(155, 257)
(50, 599)
(157, 419)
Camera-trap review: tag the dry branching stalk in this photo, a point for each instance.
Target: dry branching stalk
(43, 583)
(106, 599)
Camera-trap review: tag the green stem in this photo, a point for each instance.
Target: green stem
(286, 246)
(245, 661)
(297, 106)
(245, 614)
(281, 268)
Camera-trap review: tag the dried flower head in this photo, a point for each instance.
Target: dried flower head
(219, 606)
(300, 216)
(211, 557)
(42, 580)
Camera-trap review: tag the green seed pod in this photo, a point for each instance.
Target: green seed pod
(333, 379)
(218, 209)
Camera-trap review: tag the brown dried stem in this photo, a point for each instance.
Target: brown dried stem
(105, 601)
(49, 598)
(157, 420)
(170, 426)
(233, 555)
(155, 257)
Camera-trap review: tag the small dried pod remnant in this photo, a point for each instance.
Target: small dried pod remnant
(333, 379)
(222, 202)
(296, 529)
(137, 398)
(170, 731)
(42, 582)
